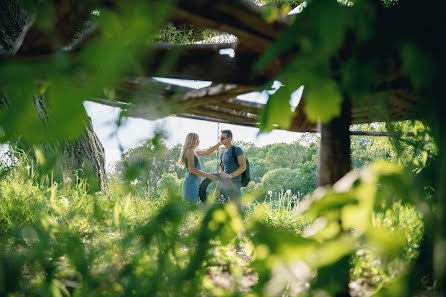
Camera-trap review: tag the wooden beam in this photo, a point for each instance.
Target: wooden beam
(334, 154)
(214, 120)
(300, 122)
(204, 62)
(192, 62)
(236, 119)
(215, 94)
(234, 105)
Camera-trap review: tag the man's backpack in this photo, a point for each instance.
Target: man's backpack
(246, 178)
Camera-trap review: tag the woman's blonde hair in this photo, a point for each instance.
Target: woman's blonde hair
(190, 142)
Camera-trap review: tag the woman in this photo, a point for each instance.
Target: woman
(189, 159)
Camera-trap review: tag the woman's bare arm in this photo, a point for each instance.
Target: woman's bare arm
(191, 165)
(208, 151)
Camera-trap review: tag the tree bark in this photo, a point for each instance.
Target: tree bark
(87, 153)
(14, 24)
(334, 154)
(83, 157)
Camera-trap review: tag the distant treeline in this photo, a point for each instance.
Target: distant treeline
(153, 166)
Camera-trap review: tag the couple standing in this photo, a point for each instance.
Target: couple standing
(233, 164)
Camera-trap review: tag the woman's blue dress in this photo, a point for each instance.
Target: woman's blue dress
(191, 182)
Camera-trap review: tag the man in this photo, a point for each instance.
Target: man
(232, 169)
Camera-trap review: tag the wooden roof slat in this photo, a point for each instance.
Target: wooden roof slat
(237, 107)
(240, 18)
(202, 111)
(231, 111)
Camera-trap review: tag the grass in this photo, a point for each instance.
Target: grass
(57, 240)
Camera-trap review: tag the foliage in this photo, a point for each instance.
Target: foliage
(278, 180)
(144, 165)
(67, 242)
(279, 3)
(370, 265)
(123, 37)
(73, 243)
(168, 181)
(185, 34)
(172, 34)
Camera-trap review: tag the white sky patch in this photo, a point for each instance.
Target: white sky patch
(261, 97)
(258, 97)
(296, 96)
(298, 9)
(276, 85)
(227, 51)
(195, 84)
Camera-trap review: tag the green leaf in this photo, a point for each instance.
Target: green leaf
(283, 244)
(331, 203)
(418, 66)
(277, 111)
(333, 278)
(323, 101)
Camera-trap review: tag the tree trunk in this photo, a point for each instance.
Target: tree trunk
(84, 156)
(334, 153)
(87, 153)
(81, 157)
(14, 23)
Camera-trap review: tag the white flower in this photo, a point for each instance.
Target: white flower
(270, 192)
(288, 192)
(134, 182)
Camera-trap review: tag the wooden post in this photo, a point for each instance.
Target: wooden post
(334, 154)
(334, 159)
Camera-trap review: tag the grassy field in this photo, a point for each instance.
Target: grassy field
(60, 241)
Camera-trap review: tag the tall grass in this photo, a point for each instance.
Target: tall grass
(58, 240)
(278, 211)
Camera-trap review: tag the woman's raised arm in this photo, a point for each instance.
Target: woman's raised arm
(208, 151)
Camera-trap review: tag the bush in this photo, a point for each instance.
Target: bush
(168, 181)
(280, 180)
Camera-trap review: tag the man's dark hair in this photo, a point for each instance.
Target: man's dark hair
(227, 132)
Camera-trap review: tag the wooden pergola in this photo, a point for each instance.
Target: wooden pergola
(230, 76)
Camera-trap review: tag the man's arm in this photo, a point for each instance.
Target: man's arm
(242, 166)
